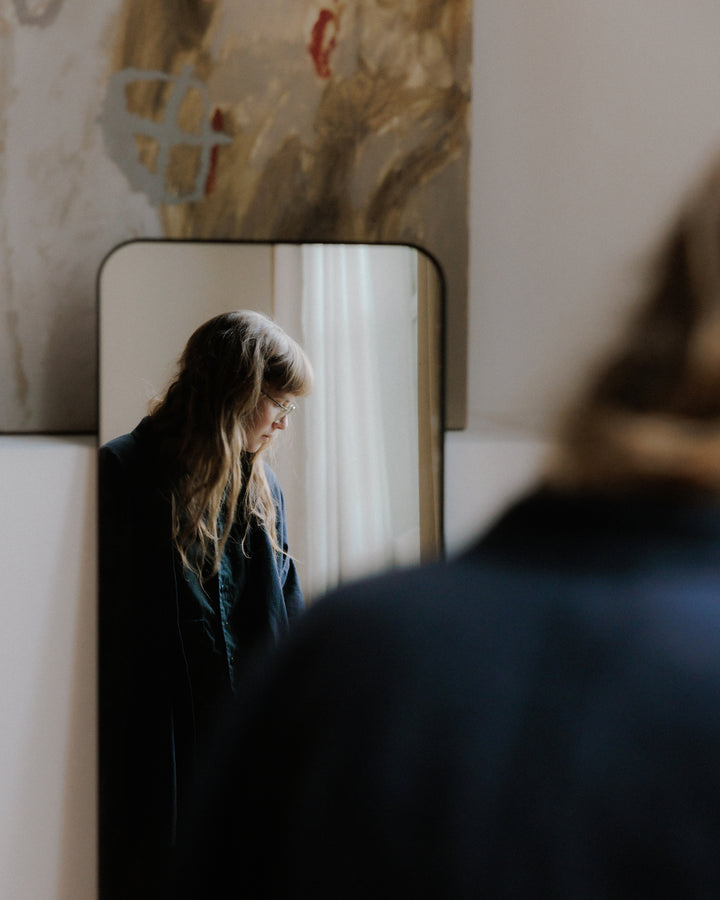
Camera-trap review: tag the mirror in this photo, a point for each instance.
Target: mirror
(360, 467)
(364, 455)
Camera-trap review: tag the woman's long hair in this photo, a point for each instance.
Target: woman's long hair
(650, 417)
(202, 420)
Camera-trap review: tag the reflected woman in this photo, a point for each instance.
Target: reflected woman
(195, 574)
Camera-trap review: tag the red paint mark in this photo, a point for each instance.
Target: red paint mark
(323, 41)
(217, 125)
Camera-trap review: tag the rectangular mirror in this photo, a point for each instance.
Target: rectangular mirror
(359, 463)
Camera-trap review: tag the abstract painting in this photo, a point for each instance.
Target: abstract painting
(289, 120)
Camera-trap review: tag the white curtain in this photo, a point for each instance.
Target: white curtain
(352, 503)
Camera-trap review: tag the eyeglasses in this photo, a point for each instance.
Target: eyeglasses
(286, 408)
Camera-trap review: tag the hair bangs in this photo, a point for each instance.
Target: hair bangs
(288, 369)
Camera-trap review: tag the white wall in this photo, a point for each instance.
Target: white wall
(47, 668)
(142, 333)
(589, 119)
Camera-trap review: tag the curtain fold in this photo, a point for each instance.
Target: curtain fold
(353, 308)
(345, 465)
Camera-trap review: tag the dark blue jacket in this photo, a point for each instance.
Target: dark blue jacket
(167, 664)
(538, 718)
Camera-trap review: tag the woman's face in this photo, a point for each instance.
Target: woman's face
(271, 415)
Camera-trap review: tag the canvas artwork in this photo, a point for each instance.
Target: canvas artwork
(289, 120)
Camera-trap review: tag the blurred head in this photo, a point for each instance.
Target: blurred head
(650, 417)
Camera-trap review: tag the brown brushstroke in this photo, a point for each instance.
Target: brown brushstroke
(217, 125)
(444, 144)
(159, 34)
(164, 36)
(22, 385)
(303, 191)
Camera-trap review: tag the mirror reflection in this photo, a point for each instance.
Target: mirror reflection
(361, 464)
(294, 442)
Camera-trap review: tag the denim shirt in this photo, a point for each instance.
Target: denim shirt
(224, 618)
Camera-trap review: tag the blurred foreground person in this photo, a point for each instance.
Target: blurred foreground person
(540, 717)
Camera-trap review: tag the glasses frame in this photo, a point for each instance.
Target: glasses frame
(286, 410)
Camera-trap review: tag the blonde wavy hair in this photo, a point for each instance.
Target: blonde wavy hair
(650, 416)
(201, 421)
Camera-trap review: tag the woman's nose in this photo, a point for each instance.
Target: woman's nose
(282, 424)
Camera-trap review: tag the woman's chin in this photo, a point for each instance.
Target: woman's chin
(260, 444)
